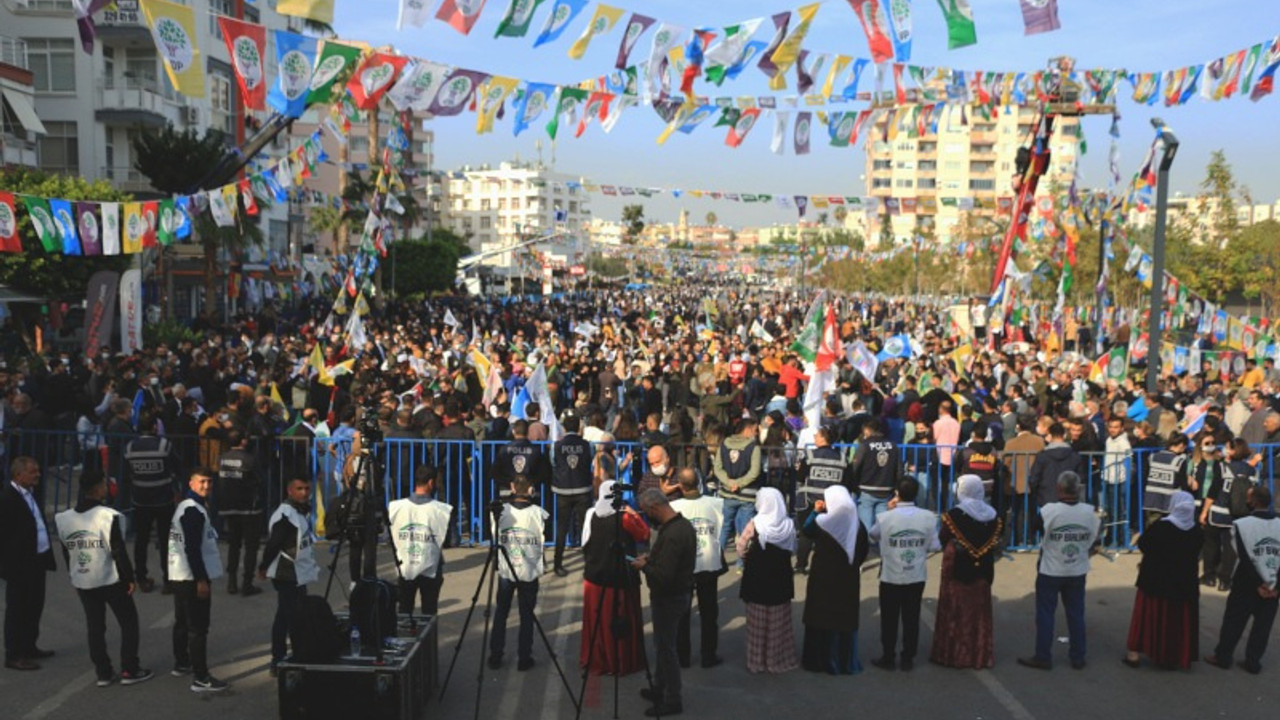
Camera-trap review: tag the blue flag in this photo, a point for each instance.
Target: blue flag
(138, 399)
(65, 218)
(295, 56)
(183, 204)
(749, 53)
(850, 91)
(535, 98)
(897, 346)
(562, 13)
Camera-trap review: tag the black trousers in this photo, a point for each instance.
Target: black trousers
(23, 606)
(362, 560)
(242, 530)
(571, 513)
(1242, 604)
(527, 593)
(667, 612)
(427, 588)
(144, 519)
(95, 602)
(1219, 553)
(900, 601)
(705, 588)
(191, 628)
(288, 594)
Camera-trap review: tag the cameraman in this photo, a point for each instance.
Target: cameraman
(419, 528)
(356, 513)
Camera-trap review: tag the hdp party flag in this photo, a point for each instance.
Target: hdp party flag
(373, 78)
(602, 22)
(788, 51)
(319, 10)
(961, 31)
(9, 240)
(333, 68)
(566, 104)
(562, 13)
(42, 222)
(900, 30)
(535, 98)
(1039, 16)
(729, 52)
(413, 12)
(151, 218)
(461, 15)
(134, 227)
(167, 222)
(173, 29)
(246, 44)
(491, 96)
(781, 21)
(89, 224)
(296, 55)
(635, 28)
(515, 22)
(64, 218)
(418, 85)
(746, 120)
(456, 93)
(876, 25)
(183, 229)
(804, 126)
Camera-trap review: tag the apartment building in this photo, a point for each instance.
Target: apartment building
(20, 126)
(964, 168)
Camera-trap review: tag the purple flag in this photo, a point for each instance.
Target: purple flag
(1040, 16)
(89, 222)
(802, 203)
(84, 10)
(804, 123)
(780, 23)
(635, 28)
(456, 92)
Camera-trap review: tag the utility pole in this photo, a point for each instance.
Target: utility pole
(1170, 150)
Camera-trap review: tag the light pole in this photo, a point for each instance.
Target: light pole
(1170, 142)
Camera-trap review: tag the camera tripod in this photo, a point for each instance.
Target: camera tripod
(490, 569)
(619, 625)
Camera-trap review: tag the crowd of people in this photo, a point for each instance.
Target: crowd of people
(695, 396)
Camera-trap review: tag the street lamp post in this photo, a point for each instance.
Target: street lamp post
(1157, 252)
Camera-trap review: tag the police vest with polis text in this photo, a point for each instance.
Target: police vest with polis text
(572, 475)
(825, 467)
(1162, 480)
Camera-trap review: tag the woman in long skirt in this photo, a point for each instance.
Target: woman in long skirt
(970, 533)
(834, 589)
(611, 589)
(766, 546)
(1166, 612)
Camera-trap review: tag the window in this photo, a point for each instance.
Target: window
(484, 203)
(982, 184)
(466, 224)
(981, 167)
(60, 148)
(141, 72)
(515, 203)
(502, 203)
(359, 143)
(906, 165)
(950, 184)
(486, 222)
(108, 67)
(903, 183)
(881, 164)
(926, 183)
(53, 64)
(928, 165)
(573, 206)
(221, 102)
(881, 182)
(216, 8)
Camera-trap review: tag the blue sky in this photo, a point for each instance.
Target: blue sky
(1141, 35)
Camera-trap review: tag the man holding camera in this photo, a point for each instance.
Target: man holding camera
(419, 527)
(518, 526)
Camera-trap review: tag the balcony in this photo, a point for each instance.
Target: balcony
(13, 51)
(18, 151)
(134, 105)
(126, 179)
(982, 138)
(122, 23)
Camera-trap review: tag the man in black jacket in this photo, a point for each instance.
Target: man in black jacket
(1056, 458)
(876, 469)
(519, 457)
(289, 561)
(151, 468)
(25, 556)
(668, 568)
(1253, 588)
(571, 484)
(239, 492)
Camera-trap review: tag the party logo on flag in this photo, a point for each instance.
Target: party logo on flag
(456, 92)
(248, 62)
(895, 347)
(326, 71)
(175, 44)
(8, 222)
(374, 78)
(745, 123)
(65, 222)
(89, 232)
(1117, 366)
(295, 74)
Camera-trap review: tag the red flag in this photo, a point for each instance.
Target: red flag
(742, 127)
(9, 240)
(151, 212)
(461, 16)
(246, 44)
(829, 348)
(373, 78)
(899, 90)
(876, 25)
(350, 285)
(246, 192)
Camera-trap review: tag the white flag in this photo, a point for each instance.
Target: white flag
(218, 206)
(418, 85)
(413, 12)
(356, 337)
(863, 360)
(780, 118)
(821, 382)
(450, 320)
(540, 393)
(758, 331)
(110, 228)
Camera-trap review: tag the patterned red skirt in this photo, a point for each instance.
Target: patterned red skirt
(1167, 631)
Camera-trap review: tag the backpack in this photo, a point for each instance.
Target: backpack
(315, 636)
(373, 610)
(1240, 484)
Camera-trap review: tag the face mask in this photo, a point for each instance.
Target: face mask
(660, 470)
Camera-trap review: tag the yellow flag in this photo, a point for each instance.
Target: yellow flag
(361, 306)
(317, 361)
(135, 226)
(837, 67)
(677, 120)
(318, 10)
(275, 395)
(492, 94)
(789, 50)
(482, 366)
(602, 22)
(230, 197)
(173, 27)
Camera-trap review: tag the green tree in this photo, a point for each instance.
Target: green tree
(424, 266)
(53, 274)
(1254, 257)
(1219, 201)
(633, 221)
(178, 162)
(711, 218)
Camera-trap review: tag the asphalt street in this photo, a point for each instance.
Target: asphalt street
(239, 654)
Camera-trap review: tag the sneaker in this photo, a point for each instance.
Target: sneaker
(527, 663)
(137, 676)
(146, 585)
(107, 681)
(561, 572)
(180, 670)
(495, 662)
(208, 684)
(249, 589)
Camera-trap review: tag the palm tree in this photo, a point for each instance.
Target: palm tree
(711, 218)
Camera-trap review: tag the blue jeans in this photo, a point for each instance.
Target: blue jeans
(1116, 526)
(870, 508)
(528, 599)
(1047, 590)
(737, 513)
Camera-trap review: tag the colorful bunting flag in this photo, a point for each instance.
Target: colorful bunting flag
(89, 225)
(64, 218)
(788, 51)
(455, 94)
(742, 127)
(295, 57)
(492, 94)
(530, 105)
(515, 22)
(333, 68)
(413, 12)
(961, 31)
(602, 22)
(876, 26)
(563, 12)
(1040, 16)
(9, 239)
(173, 29)
(461, 15)
(319, 10)
(900, 29)
(246, 44)
(373, 78)
(635, 28)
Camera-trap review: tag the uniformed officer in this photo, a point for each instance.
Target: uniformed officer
(519, 457)
(875, 468)
(289, 560)
(571, 484)
(822, 467)
(194, 562)
(151, 472)
(1166, 475)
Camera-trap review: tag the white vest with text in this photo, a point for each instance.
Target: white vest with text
(305, 568)
(179, 568)
(1261, 540)
(1069, 533)
(907, 535)
(87, 537)
(520, 531)
(706, 514)
(418, 530)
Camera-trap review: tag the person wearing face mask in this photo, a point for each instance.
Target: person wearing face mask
(660, 474)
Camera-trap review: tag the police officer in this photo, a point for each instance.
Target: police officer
(1166, 475)
(822, 467)
(518, 457)
(875, 470)
(571, 484)
(194, 562)
(519, 529)
(289, 560)
(151, 469)
(240, 505)
(103, 577)
(419, 527)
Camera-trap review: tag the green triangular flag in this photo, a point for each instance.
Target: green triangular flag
(334, 66)
(42, 223)
(515, 23)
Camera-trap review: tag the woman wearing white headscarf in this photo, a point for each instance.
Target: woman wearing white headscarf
(610, 588)
(834, 590)
(1166, 612)
(970, 535)
(766, 546)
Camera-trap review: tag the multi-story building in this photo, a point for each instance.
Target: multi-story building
(20, 126)
(966, 167)
(496, 207)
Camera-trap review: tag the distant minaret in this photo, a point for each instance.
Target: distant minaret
(682, 225)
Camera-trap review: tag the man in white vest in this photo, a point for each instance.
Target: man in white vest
(194, 562)
(1070, 535)
(92, 538)
(906, 535)
(419, 528)
(1253, 588)
(519, 530)
(289, 560)
(707, 516)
